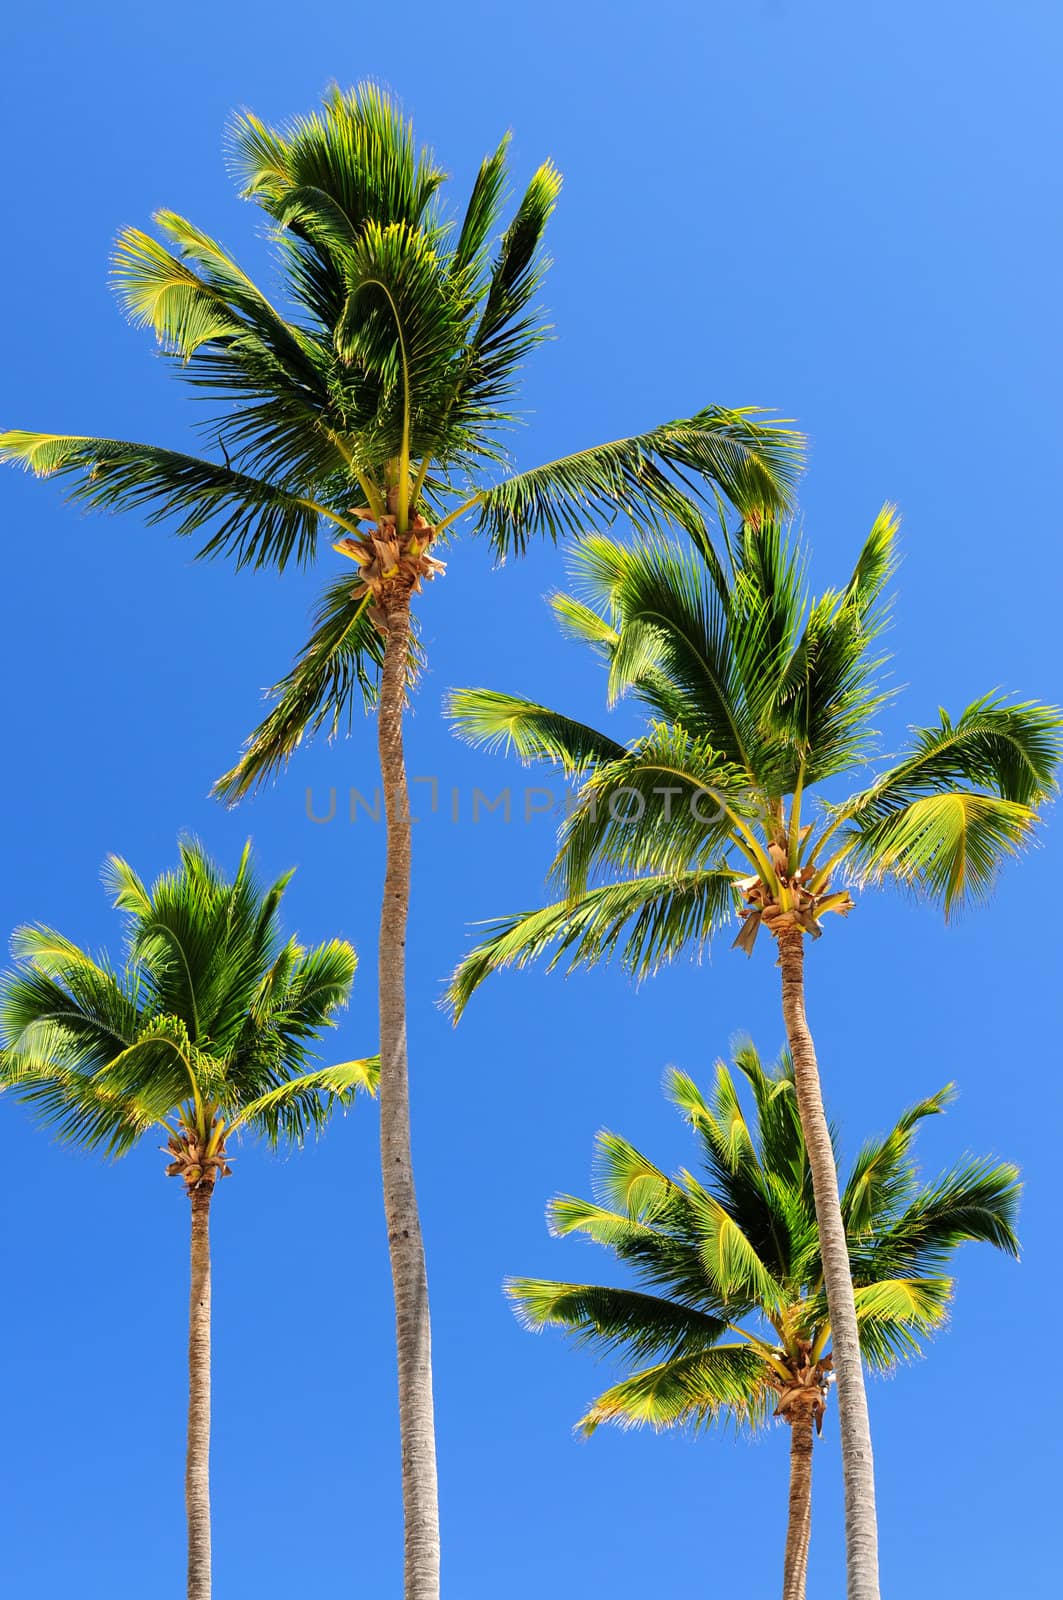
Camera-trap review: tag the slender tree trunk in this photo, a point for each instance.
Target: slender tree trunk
(412, 1325)
(861, 1532)
(799, 1525)
(197, 1460)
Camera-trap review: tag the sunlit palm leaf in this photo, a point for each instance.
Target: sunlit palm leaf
(649, 920)
(257, 522)
(505, 722)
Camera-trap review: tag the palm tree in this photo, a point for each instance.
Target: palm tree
(756, 696)
(372, 401)
(204, 1034)
(730, 1307)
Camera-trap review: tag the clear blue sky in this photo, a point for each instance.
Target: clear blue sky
(850, 214)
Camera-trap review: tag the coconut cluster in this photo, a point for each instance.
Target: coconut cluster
(798, 910)
(391, 565)
(809, 1385)
(192, 1162)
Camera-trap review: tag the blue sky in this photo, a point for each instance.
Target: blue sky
(850, 215)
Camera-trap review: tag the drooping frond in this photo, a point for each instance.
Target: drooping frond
(670, 803)
(948, 847)
(493, 721)
(643, 1325)
(649, 921)
(78, 1109)
(977, 1200)
(652, 477)
(303, 1104)
(944, 818)
(257, 522)
(691, 1389)
(333, 674)
(893, 1314)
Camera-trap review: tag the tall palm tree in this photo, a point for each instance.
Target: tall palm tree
(730, 1307)
(371, 400)
(756, 696)
(204, 1034)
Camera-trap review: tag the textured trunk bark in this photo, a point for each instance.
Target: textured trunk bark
(197, 1460)
(799, 1525)
(861, 1532)
(412, 1326)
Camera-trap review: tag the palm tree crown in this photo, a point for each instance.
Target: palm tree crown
(756, 695)
(205, 1032)
(730, 1307)
(373, 397)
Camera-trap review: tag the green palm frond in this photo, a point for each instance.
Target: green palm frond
(1011, 749)
(359, 150)
(642, 1325)
(731, 1261)
(977, 1200)
(332, 675)
(882, 1177)
(948, 847)
(75, 1105)
(944, 819)
(626, 1181)
(693, 1389)
(893, 1314)
(668, 804)
(259, 523)
(303, 1104)
(482, 213)
(648, 477)
(493, 721)
(404, 326)
(649, 921)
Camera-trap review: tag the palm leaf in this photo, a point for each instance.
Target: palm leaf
(614, 1319)
(688, 1389)
(492, 721)
(647, 477)
(335, 671)
(650, 920)
(257, 522)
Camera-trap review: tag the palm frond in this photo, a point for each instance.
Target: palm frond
(893, 1313)
(882, 1177)
(303, 1104)
(653, 477)
(336, 670)
(614, 1319)
(948, 847)
(257, 522)
(1011, 750)
(691, 1389)
(670, 803)
(649, 920)
(492, 721)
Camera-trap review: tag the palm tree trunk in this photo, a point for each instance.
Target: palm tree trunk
(799, 1525)
(406, 1246)
(197, 1460)
(861, 1532)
